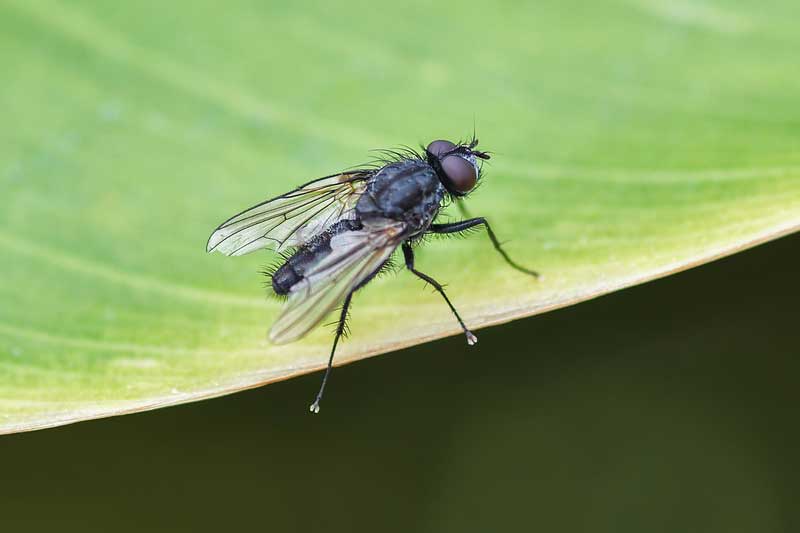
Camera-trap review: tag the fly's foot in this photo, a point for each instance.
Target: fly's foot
(472, 340)
(314, 407)
(530, 272)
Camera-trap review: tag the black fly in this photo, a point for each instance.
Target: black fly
(339, 231)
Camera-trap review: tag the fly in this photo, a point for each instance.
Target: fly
(336, 233)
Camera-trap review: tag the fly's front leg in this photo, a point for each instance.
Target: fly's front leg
(456, 227)
(408, 254)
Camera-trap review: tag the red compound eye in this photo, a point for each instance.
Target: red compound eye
(440, 147)
(462, 173)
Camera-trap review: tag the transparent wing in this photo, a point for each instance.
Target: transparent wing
(355, 256)
(292, 218)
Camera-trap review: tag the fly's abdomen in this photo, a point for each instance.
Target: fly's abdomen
(286, 276)
(293, 270)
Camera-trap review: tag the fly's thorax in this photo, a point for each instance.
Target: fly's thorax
(407, 191)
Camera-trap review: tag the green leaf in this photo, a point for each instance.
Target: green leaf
(631, 139)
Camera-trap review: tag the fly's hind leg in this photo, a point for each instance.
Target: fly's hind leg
(408, 254)
(464, 225)
(340, 329)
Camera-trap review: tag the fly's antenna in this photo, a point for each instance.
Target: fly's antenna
(474, 141)
(481, 155)
(468, 149)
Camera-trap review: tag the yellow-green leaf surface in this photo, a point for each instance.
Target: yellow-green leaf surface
(631, 139)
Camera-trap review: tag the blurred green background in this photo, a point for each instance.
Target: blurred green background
(633, 136)
(667, 407)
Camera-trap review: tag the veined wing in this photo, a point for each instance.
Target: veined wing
(354, 257)
(292, 218)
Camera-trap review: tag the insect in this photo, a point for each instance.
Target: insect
(338, 232)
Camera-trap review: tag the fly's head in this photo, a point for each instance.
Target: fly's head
(456, 165)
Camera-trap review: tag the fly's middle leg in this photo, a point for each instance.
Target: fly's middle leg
(408, 254)
(341, 330)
